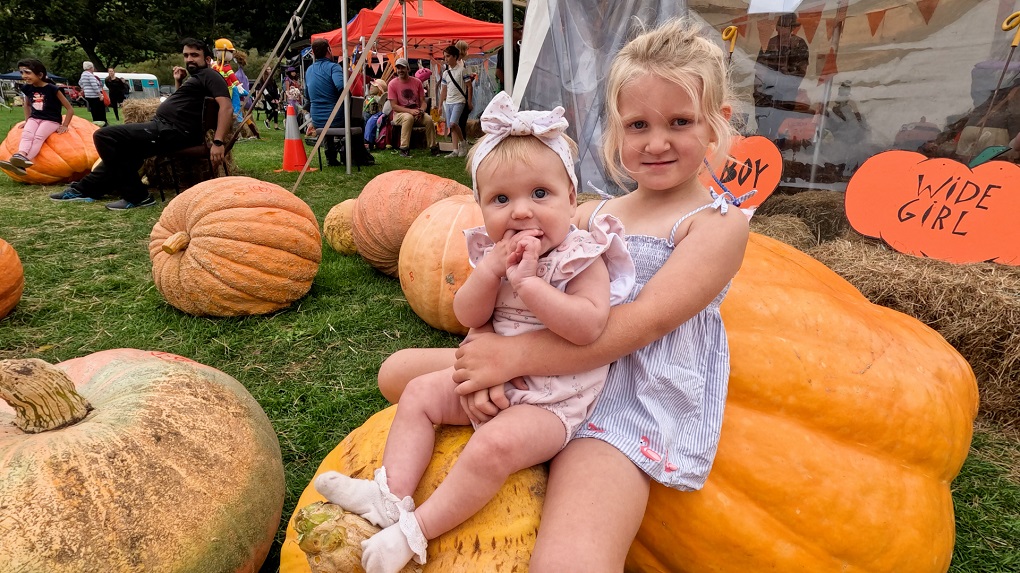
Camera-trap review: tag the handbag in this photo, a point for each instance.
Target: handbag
(106, 97)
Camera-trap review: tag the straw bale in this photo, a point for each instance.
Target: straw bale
(975, 307)
(139, 110)
(789, 229)
(189, 172)
(823, 211)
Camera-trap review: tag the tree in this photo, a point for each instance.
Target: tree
(16, 32)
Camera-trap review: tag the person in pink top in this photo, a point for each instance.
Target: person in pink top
(407, 96)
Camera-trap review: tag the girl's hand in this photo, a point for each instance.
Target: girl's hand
(62, 129)
(482, 362)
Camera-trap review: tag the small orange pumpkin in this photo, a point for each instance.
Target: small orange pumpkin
(128, 460)
(235, 246)
(12, 278)
(388, 205)
(64, 157)
(434, 260)
(337, 228)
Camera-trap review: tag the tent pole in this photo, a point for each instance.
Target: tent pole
(508, 46)
(343, 95)
(403, 21)
(347, 98)
(841, 7)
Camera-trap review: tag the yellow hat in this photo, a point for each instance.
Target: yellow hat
(224, 44)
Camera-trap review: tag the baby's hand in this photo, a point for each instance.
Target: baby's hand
(495, 261)
(522, 263)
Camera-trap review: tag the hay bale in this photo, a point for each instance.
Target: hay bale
(823, 211)
(139, 110)
(975, 307)
(786, 228)
(189, 173)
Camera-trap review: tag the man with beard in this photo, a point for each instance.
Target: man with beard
(176, 125)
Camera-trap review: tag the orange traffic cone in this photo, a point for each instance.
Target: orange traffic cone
(294, 157)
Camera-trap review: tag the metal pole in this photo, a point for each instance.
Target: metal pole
(508, 46)
(403, 22)
(836, 33)
(347, 99)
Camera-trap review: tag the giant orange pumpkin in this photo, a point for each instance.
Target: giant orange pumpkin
(235, 246)
(12, 278)
(388, 205)
(434, 260)
(127, 460)
(844, 426)
(64, 157)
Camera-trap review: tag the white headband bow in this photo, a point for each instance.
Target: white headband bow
(501, 120)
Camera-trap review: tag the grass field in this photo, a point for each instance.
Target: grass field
(312, 367)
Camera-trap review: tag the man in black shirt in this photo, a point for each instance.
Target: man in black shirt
(177, 124)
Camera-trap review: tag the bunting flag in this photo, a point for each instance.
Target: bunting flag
(765, 28)
(741, 24)
(875, 20)
(377, 63)
(810, 19)
(927, 8)
(830, 27)
(829, 69)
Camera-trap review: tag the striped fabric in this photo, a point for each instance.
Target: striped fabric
(662, 406)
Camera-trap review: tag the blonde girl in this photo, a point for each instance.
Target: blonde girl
(667, 108)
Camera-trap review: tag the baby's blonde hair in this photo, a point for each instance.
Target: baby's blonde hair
(677, 52)
(515, 149)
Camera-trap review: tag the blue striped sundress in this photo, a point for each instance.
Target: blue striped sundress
(662, 405)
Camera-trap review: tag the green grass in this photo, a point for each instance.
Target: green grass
(312, 367)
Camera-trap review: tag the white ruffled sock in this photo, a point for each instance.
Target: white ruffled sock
(392, 548)
(370, 499)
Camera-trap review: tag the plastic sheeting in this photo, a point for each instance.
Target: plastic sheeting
(877, 75)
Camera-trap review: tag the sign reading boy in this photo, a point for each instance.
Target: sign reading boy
(938, 208)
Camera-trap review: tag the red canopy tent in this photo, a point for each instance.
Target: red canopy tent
(427, 34)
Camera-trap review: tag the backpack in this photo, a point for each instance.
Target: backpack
(385, 127)
(371, 128)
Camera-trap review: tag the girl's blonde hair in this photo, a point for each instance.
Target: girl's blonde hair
(462, 46)
(515, 149)
(677, 52)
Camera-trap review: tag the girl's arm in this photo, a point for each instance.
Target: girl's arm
(68, 115)
(694, 275)
(27, 107)
(578, 315)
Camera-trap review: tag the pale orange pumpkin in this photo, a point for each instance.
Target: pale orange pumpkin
(128, 460)
(388, 205)
(64, 157)
(844, 427)
(235, 246)
(498, 538)
(12, 278)
(337, 227)
(434, 260)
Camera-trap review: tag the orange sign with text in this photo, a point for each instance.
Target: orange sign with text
(754, 163)
(938, 208)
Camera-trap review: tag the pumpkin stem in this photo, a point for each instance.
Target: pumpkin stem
(42, 395)
(176, 242)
